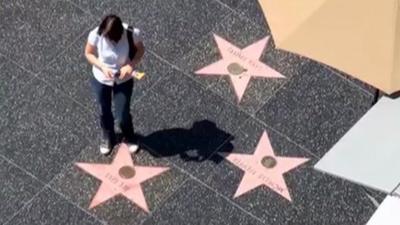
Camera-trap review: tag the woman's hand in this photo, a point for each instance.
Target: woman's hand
(107, 72)
(125, 71)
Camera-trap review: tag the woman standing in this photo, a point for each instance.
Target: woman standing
(114, 50)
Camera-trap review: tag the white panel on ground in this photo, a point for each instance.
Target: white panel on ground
(369, 153)
(387, 213)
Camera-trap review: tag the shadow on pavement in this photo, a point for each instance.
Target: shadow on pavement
(199, 143)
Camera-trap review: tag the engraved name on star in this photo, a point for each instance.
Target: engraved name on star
(264, 168)
(121, 177)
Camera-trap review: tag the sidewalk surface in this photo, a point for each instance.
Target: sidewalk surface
(191, 123)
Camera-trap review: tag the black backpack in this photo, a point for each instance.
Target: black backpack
(132, 47)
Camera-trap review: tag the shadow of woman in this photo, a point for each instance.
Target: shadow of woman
(199, 143)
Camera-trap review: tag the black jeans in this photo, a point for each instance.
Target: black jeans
(121, 95)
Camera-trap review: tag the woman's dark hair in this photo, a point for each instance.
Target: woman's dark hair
(111, 28)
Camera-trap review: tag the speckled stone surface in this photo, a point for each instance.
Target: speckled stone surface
(132, 11)
(310, 190)
(37, 31)
(174, 124)
(169, 27)
(13, 78)
(50, 208)
(16, 189)
(41, 130)
(315, 108)
(241, 32)
(233, 4)
(49, 119)
(252, 10)
(80, 187)
(196, 204)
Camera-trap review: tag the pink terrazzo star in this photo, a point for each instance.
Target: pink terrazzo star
(264, 168)
(240, 64)
(121, 177)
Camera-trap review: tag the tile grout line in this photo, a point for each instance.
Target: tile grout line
(76, 205)
(35, 74)
(68, 47)
(22, 169)
(395, 189)
(151, 88)
(82, 9)
(267, 100)
(372, 199)
(90, 22)
(50, 85)
(164, 202)
(24, 206)
(237, 107)
(270, 97)
(352, 83)
(227, 101)
(227, 6)
(191, 176)
(26, 82)
(228, 199)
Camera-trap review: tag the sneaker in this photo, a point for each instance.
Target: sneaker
(133, 148)
(105, 147)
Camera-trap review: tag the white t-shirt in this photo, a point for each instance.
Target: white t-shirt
(114, 55)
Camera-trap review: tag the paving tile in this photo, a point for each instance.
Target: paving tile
(231, 3)
(155, 70)
(13, 79)
(184, 130)
(316, 108)
(16, 188)
(179, 135)
(179, 24)
(336, 202)
(42, 130)
(49, 27)
(54, 105)
(316, 198)
(237, 30)
(203, 53)
(196, 204)
(186, 93)
(80, 187)
(71, 73)
(46, 125)
(169, 27)
(262, 201)
(130, 11)
(155, 112)
(366, 87)
(252, 10)
(241, 32)
(50, 208)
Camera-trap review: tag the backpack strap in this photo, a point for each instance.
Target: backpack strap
(132, 47)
